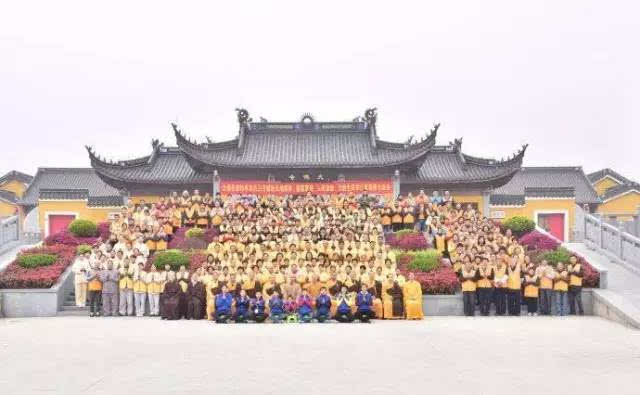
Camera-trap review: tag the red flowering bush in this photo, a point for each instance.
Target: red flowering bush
(16, 276)
(408, 241)
(178, 238)
(68, 239)
(539, 241)
(590, 276)
(437, 281)
(104, 230)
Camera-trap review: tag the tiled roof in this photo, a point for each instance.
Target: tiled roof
(600, 174)
(555, 180)
(163, 166)
(8, 196)
(448, 165)
(62, 182)
(16, 175)
(619, 190)
(279, 148)
(507, 200)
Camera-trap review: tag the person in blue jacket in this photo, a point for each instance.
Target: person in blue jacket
(257, 308)
(343, 313)
(276, 305)
(364, 301)
(323, 306)
(242, 307)
(305, 307)
(224, 300)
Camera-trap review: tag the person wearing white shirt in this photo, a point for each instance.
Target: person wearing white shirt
(80, 269)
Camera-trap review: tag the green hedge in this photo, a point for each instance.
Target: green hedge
(555, 256)
(83, 228)
(83, 249)
(173, 258)
(519, 225)
(195, 232)
(426, 260)
(30, 261)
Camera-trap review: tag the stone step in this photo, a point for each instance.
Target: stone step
(75, 308)
(72, 313)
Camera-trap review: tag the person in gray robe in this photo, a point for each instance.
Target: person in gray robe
(109, 278)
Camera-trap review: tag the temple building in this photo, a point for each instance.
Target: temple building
(620, 195)
(309, 156)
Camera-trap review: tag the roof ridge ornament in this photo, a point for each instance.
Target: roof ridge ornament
(371, 117)
(243, 121)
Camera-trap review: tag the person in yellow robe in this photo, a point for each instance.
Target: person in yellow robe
(387, 299)
(412, 293)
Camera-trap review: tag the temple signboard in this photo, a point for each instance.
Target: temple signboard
(258, 187)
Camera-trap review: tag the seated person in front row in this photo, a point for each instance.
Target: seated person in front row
(224, 300)
(343, 301)
(277, 307)
(305, 307)
(258, 308)
(242, 307)
(364, 301)
(323, 306)
(291, 309)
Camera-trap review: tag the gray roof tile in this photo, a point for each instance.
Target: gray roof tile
(305, 149)
(16, 175)
(51, 180)
(551, 178)
(600, 174)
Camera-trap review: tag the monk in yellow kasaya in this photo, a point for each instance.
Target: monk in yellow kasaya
(413, 299)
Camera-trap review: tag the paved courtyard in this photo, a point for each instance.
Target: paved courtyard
(446, 355)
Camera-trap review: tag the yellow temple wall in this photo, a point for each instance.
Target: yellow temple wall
(146, 198)
(14, 186)
(533, 207)
(623, 207)
(7, 209)
(602, 185)
(78, 208)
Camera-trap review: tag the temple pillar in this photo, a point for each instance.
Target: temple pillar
(396, 184)
(486, 202)
(216, 183)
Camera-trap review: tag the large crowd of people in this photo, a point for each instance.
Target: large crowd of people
(289, 258)
(312, 257)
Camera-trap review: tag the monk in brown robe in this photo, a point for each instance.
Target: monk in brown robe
(171, 298)
(196, 299)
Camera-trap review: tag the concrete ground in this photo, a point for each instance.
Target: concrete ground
(444, 355)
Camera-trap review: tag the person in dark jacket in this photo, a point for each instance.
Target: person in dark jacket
(224, 300)
(364, 301)
(276, 305)
(258, 308)
(242, 307)
(323, 306)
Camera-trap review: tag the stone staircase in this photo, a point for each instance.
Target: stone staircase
(69, 307)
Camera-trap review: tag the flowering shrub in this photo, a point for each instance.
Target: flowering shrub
(173, 258)
(519, 225)
(407, 240)
(555, 256)
(66, 238)
(30, 261)
(539, 241)
(83, 249)
(193, 243)
(194, 232)
(424, 261)
(437, 281)
(83, 228)
(178, 238)
(16, 276)
(104, 230)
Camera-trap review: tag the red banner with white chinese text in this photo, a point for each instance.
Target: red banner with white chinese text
(250, 187)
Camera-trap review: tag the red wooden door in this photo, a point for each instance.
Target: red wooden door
(552, 223)
(59, 223)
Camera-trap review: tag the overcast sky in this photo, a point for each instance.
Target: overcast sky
(562, 76)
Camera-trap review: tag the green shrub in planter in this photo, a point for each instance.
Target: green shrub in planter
(173, 258)
(195, 232)
(555, 256)
(83, 249)
(519, 225)
(30, 261)
(83, 228)
(405, 232)
(425, 261)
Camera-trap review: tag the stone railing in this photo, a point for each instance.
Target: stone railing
(613, 240)
(9, 230)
